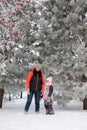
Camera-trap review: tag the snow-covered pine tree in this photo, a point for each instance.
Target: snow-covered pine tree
(18, 33)
(50, 31)
(64, 44)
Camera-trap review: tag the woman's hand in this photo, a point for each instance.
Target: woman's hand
(28, 91)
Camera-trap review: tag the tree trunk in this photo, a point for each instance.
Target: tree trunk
(21, 95)
(9, 97)
(85, 104)
(1, 96)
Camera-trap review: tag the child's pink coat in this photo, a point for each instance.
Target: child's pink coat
(46, 88)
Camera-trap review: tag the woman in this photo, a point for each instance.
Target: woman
(34, 86)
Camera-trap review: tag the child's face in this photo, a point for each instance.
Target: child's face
(47, 81)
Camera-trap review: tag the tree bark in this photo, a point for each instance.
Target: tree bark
(1, 96)
(85, 104)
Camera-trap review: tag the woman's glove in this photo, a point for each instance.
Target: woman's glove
(28, 91)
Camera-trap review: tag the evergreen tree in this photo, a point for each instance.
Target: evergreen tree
(18, 33)
(65, 47)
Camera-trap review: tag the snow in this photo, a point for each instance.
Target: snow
(70, 118)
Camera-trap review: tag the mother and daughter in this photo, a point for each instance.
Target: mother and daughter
(35, 86)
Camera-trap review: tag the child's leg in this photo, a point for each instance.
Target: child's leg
(46, 107)
(51, 111)
(47, 112)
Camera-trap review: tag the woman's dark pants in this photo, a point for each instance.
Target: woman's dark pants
(29, 100)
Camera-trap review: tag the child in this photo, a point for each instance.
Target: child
(48, 96)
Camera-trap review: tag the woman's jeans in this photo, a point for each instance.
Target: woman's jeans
(29, 100)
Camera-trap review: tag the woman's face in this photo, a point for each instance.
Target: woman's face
(37, 67)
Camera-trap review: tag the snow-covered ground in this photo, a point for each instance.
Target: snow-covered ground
(12, 117)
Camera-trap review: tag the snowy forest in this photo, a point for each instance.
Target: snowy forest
(52, 32)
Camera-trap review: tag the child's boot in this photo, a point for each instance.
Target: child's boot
(47, 112)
